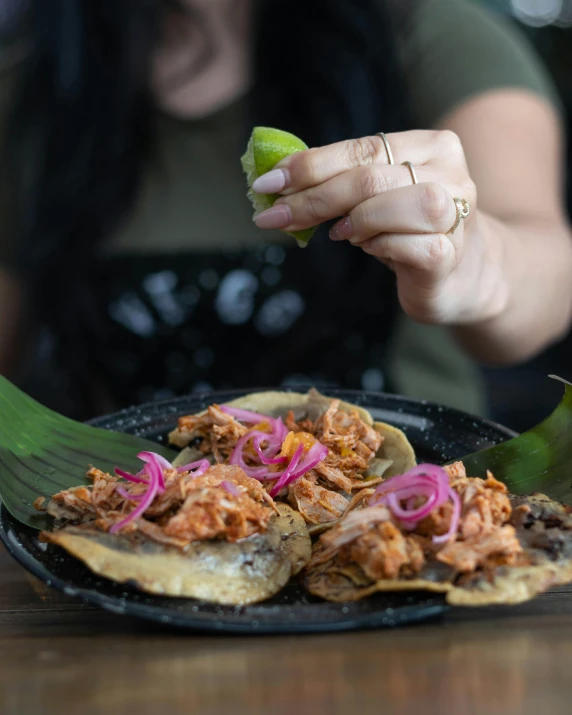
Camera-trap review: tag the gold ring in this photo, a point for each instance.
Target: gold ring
(463, 209)
(387, 147)
(412, 171)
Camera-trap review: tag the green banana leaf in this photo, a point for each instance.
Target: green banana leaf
(42, 452)
(539, 460)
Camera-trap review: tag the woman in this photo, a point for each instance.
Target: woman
(133, 240)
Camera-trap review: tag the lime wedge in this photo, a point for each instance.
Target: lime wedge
(266, 147)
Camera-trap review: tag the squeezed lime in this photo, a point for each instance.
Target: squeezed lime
(266, 147)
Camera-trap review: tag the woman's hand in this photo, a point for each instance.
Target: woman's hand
(442, 277)
(502, 280)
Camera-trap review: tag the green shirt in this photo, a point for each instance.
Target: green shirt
(193, 194)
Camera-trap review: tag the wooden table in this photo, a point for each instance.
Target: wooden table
(58, 656)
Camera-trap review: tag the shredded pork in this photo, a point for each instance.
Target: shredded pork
(323, 494)
(373, 539)
(190, 509)
(317, 504)
(352, 445)
(351, 442)
(385, 552)
(216, 431)
(499, 544)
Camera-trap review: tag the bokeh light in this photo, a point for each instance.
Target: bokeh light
(540, 13)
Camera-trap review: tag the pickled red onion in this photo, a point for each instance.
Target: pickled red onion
(288, 472)
(263, 458)
(152, 474)
(197, 468)
(454, 519)
(135, 478)
(411, 513)
(425, 480)
(155, 478)
(140, 477)
(159, 462)
(314, 455)
(237, 457)
(270, 453)
(230, 487)
(267, 456)
(245, 415)
(429, 474)
(127, 495)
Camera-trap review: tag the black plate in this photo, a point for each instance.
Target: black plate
(438, 435)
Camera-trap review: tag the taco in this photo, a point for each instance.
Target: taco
(437, 530)
(199, 531)
(320, 455)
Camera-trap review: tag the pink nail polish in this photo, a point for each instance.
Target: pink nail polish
(342, 230)
(278, 216)
(271, 183)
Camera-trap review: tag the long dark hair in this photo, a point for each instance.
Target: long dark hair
(80, 132)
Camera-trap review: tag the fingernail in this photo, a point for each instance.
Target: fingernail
(271, 183)
(278, 216)
(342, 230)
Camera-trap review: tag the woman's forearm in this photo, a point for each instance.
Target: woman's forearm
(536, 282)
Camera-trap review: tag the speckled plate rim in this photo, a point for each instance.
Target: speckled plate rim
(428, 606)
(400, 402)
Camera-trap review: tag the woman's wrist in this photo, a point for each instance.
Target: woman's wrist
(524, 290)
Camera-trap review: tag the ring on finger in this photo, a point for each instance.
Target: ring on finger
(412, 171)
(463, 209)
(387, 147)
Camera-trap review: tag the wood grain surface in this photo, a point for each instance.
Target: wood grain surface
(58, 656)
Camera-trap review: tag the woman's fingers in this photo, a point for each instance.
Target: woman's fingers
(315, 166)
(338, 196)
(424, 208)
(432, 255)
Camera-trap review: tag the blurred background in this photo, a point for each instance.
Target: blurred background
(521, 396)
